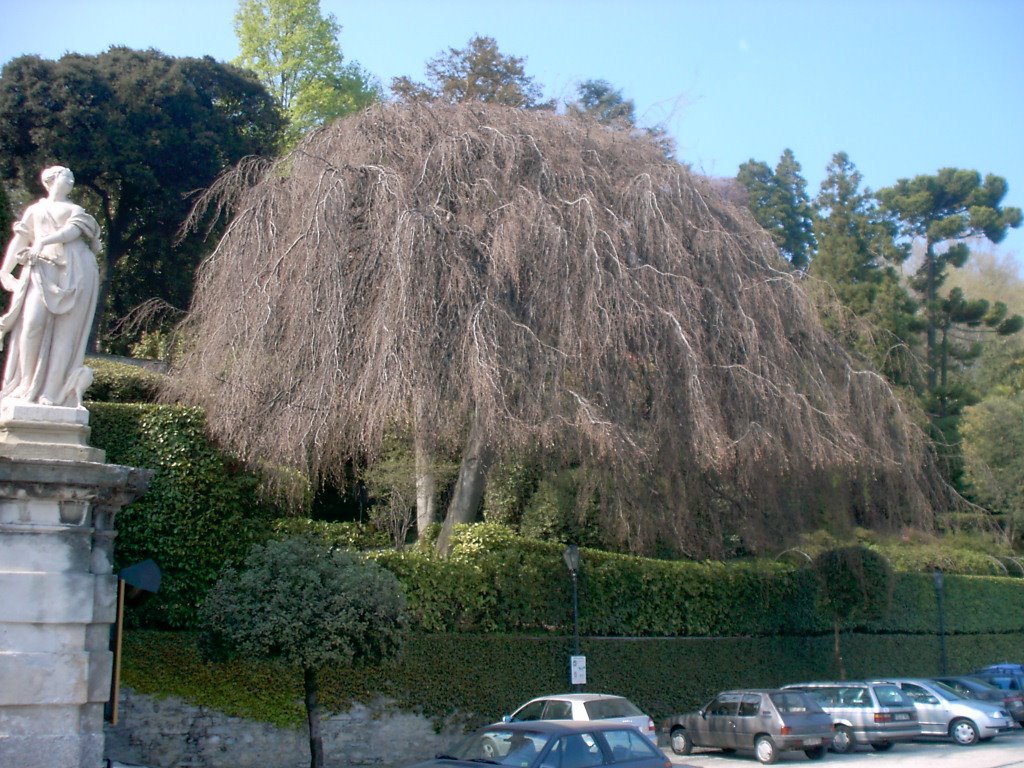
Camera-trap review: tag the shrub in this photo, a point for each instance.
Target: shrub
(309, 605)
(118, 382)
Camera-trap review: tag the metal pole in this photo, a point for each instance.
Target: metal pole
(942, 631)
(575, 622)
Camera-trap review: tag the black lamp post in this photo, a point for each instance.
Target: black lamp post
(572, 562)
(939, 580)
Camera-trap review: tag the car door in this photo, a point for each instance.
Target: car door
(932, 713)
(748, 722)
(719, 721)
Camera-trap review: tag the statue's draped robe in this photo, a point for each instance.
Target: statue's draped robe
(56, 298)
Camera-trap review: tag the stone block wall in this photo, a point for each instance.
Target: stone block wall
(170, 733)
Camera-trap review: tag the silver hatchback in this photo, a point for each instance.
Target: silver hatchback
(876, 713)
(585, 706)
(942, 711)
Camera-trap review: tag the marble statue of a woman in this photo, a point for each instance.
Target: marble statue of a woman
(54, 297)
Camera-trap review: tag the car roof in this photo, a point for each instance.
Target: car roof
(559, 726)
(840, 683)
(578, 696)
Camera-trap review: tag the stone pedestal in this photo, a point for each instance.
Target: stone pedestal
(57, 587)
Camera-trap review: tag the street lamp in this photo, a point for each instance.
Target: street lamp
(939, 581)
(577, 664)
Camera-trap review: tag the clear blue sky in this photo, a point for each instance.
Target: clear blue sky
(905, 87)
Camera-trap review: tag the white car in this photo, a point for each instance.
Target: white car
(941, 711)
(585, 706)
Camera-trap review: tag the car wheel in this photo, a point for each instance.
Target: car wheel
(842, 739)
(881, 746)
(964, 732)
(682, 744)
(766, 750)
(815, 753)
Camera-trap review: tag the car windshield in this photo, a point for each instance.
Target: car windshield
(500, 746)
(602, 709)
(948, 691)
(791, 702)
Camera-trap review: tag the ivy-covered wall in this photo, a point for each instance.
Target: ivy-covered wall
(202, 509)
(484, 676)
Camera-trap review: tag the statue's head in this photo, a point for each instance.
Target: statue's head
(51, 174)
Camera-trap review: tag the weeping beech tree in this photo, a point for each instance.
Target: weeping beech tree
(491, 280)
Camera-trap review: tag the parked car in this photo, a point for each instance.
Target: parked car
(878, 714)
(1009, 677)
(765, 721)
(553, 744)
(585, 706)
(975, 687)
(941, 711)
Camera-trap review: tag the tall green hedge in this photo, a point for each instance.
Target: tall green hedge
(483, 676)
(202, 509)
(495, 581)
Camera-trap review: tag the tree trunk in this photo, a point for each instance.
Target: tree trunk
(469, 488)
(930, 295)
(426, 487)
(838, 651)
(316, 741)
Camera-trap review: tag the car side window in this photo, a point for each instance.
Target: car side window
(918, 694)
(725, 704)
(826, 697)
(558, 710)
(854, 697)
(627, 745)
(578, 750)
(750, 705)
(531, 711)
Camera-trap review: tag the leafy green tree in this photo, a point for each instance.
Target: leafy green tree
(598, 100)
(857, 256)
(293, 49)
(779, 202)
(854, 584)
(478, 72)
(993, 443)
(309, 605)
(941, 212)
(6, 215)
(141, 131)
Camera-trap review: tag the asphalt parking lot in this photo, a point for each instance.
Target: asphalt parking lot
(1005, 751)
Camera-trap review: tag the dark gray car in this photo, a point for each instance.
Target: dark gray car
(765, 721)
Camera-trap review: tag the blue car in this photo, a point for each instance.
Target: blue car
(551, 744)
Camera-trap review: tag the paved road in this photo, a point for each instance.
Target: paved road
(1005, 751)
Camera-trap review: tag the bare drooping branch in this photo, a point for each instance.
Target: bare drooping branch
(569, 285)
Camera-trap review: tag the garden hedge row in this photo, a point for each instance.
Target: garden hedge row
(480, 677)
(496, 582)
(202, 509)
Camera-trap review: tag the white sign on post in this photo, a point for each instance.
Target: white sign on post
(578, 670)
